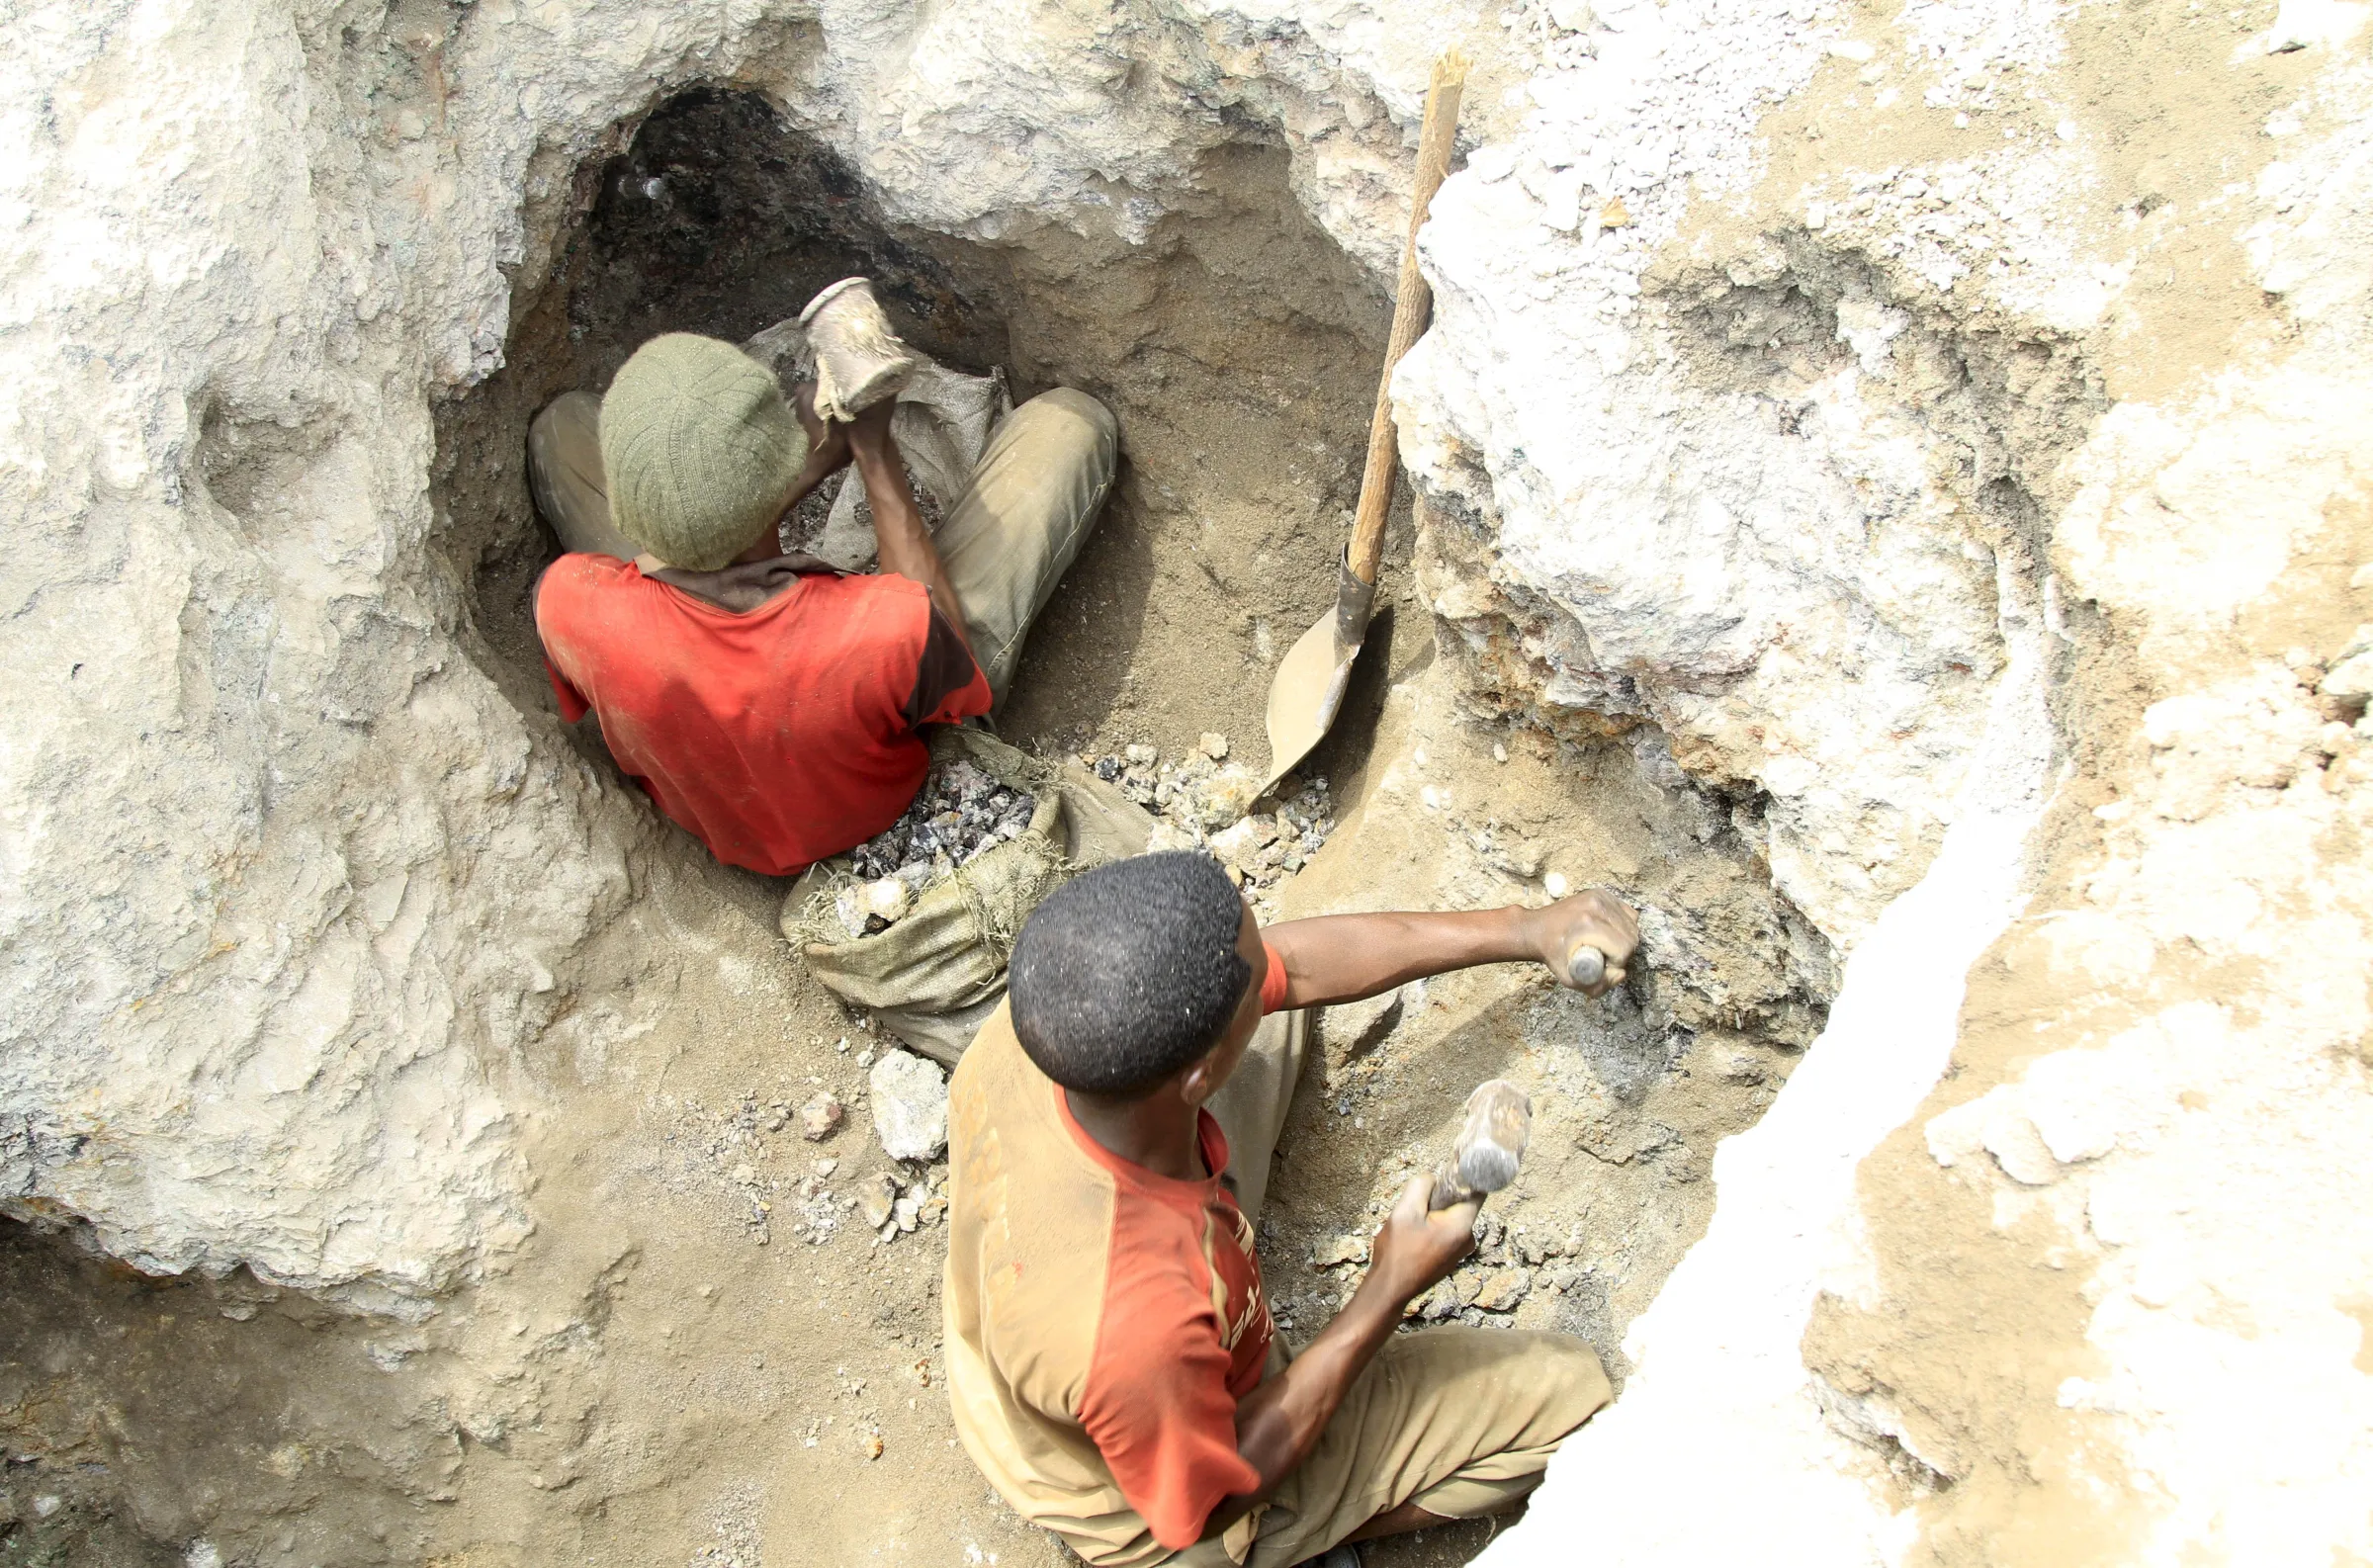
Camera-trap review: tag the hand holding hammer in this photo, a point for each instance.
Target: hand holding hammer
(1587, 940)
(1575, 937)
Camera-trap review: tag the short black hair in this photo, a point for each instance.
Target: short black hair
(1127, 972)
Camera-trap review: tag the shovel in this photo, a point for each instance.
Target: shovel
(1309, 684)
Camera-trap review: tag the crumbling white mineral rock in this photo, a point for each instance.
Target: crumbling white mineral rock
(2351, 677)
(1211, 796)
(1201, 804)
(910, 1106)
(1241, 846)
(871, 906)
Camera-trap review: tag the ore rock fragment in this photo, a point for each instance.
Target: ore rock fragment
(909, 1107)
(819, 1117)
(875, 1201)
(1203, 802)
(959, 815)
(1504, 1290)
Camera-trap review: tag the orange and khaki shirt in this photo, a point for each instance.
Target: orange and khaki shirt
(1102, 1320)
(775, 735)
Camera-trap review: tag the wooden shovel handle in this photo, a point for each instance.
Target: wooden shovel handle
(1411, 306)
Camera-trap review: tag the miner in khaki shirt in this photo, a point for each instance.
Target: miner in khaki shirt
(1111, 1360)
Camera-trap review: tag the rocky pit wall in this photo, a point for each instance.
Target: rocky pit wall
(1934, 438)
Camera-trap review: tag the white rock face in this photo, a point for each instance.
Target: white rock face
(909, 1107)
(1720, 1387)
(2175, 1145)
(1720, 501)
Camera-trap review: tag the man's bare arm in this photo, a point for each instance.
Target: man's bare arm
(1340, 958)
(1280, 1421)
(905, 544)
(828, 454)
(1344, 957)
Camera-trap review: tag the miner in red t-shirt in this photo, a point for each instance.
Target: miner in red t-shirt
(770, 705)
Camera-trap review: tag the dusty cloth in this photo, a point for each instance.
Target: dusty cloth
(933, 978)
(776, 736)
(700, 448)
(1009, 540)
(942, 424)
(1102, 1321)
(942, 421)
(563, 473)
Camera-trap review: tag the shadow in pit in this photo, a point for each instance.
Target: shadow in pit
(150, 1420)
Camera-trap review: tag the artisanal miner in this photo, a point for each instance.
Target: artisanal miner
(768, 704)
(1111, 1360)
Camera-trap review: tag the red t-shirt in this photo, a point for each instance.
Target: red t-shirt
(1184, 1335)
(776, 736)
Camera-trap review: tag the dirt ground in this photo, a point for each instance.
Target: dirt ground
(667, 1373)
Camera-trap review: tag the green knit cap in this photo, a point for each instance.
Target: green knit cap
(700, 450)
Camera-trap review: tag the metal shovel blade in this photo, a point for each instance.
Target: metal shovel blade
(1307, 691)
(1305, 696)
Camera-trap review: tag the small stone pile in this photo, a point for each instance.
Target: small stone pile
(891, 1208)
(1507, 1266)
(1205, 802)
(959, 814)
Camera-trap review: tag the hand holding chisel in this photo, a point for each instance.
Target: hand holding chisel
(1587, 928)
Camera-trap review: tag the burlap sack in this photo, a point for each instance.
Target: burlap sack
(934, 976)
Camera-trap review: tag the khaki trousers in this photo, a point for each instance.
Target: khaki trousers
(1458, 1420)
(1250, 1106)
(1005, 543)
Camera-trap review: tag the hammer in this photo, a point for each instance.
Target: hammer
(1586, 966)
(1499, 1122)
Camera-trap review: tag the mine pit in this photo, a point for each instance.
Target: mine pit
(1238, 345)
(1235, 345)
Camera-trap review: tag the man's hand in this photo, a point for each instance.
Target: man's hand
(1280, 1423)
(869, 427)
(902, 544)
(1590, 917)
(827, 454)
(1416, 1251)
(827, 443)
